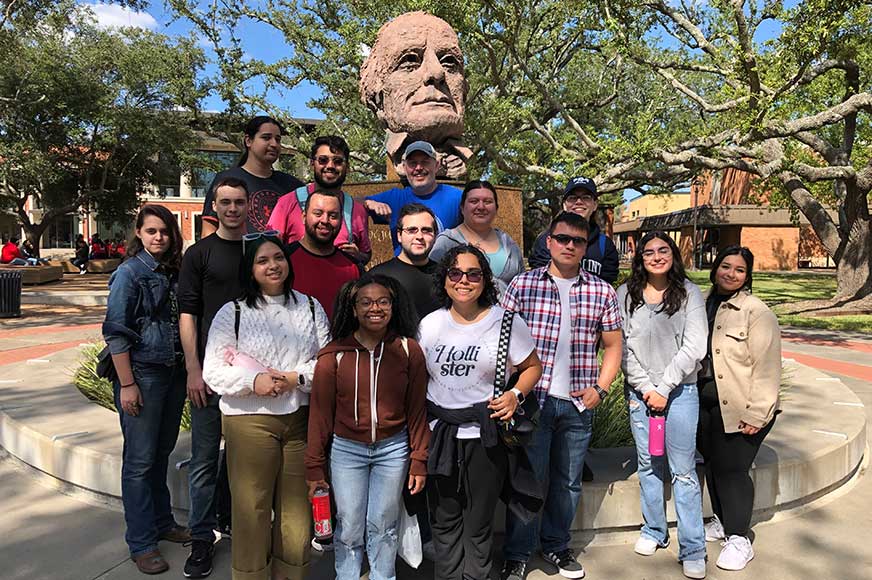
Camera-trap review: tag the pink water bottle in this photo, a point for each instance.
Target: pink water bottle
(656, 433)
(321, 514)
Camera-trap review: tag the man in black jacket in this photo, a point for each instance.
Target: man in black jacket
(601, 259)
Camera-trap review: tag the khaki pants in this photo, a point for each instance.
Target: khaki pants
(265, 467)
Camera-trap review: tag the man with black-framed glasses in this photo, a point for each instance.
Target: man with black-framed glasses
(601, 257)
(413, 268)
(330, 159)
(569, 312)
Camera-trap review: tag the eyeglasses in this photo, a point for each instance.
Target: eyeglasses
(325, 159)
(413, 230)
(473, 276)
(383, 303)
(662, 251)
(256, 235)
(564, 239)
(574, 199)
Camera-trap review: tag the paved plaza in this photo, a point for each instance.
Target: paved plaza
(50, 530)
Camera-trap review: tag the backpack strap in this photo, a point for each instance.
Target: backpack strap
(303, 193)
(237, 315)
(312, 309)
(602, 245)
(503, 353)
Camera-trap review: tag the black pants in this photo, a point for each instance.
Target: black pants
(728, 458)
(462, 508)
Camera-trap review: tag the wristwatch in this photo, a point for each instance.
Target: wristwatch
(301, 380)
(601, 392)
(518, 394)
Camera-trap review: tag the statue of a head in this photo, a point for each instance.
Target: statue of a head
(413, 78)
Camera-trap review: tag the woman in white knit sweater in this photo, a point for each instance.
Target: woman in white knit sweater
(260, 357)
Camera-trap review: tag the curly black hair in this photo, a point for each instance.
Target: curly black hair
(675, 293)
(404, 317)
(489, 295)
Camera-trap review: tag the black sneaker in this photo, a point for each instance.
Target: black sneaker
(199, 563)
(566, 564)
(514, 570)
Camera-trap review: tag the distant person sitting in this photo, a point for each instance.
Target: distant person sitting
(263, 146)
(601, 258)
(120, 249)
(330, 160)
(320, 269)
(478, 206)
(98, 248)
(81, 259)
(420, 164)
(30, 254)
(11, 255)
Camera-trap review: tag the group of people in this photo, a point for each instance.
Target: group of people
(382, 386)
(14, 254)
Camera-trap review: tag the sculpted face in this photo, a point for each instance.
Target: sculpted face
(413, 77)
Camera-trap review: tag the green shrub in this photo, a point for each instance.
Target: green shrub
(611, 419)
(98, 389)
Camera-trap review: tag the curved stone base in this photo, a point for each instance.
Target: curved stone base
(816, 445)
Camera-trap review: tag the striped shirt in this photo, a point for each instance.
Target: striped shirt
(594, 307)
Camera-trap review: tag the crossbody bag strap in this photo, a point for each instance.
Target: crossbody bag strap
(312, 311)
(236, 314)
(503, 353)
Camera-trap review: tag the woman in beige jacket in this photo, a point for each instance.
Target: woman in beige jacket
(738, 391)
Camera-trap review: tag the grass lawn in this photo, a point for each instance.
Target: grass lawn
(777, 289)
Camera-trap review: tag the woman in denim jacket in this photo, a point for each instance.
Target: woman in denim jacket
(142, 332)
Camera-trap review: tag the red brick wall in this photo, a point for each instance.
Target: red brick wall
(773, 248)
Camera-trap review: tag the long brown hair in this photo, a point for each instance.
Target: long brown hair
(172, 258)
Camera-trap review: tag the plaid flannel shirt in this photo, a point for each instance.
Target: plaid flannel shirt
(594, 307)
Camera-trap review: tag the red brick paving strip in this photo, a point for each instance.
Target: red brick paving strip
(46, 330)
(862, 372)
(8, 357)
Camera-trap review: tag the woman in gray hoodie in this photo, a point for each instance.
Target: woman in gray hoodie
(478, 206)
(665, 333)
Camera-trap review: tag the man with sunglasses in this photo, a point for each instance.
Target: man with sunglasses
(569, 311)
(421, 164)
(209, 279)
(329, 160)
(413, 268)
(601, 257)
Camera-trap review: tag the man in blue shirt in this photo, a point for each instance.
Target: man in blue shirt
(421, 163)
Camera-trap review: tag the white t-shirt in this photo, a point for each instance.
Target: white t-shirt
(560, 376)
(461, 359)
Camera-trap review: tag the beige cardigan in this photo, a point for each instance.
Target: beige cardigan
(746, 357)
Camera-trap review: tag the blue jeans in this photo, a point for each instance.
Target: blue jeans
(682, 415)
(149, 438)
(367, 482)
(203, 468)
(557, 454)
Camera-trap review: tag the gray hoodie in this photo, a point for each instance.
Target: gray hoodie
(514, 262)
(661, 351)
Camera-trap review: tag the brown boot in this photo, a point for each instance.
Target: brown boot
(151, 562)
(177, 534)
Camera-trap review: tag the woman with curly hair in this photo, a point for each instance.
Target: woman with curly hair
(468, 463)
(368, 409)
(665, 332)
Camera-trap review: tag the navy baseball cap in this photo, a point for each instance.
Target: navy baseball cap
(580, 183)
(421, 146)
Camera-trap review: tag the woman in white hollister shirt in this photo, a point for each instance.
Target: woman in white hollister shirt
(468, 465)
(260, 358)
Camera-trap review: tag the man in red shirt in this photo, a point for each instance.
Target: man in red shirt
(11, 254)
(320, 269)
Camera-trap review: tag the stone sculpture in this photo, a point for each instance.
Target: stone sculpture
(413, 79)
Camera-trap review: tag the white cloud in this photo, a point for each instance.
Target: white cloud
(113, 16)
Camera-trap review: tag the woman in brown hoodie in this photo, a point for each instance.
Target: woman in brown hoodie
(368, 395)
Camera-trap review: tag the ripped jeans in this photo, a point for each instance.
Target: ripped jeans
(367, 482)
(682, 414)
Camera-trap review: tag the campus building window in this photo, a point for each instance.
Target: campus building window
(61, 233)
(202, 178)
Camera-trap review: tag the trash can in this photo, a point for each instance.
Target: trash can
(10, 293)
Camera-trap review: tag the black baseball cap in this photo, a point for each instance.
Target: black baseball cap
(580, 183)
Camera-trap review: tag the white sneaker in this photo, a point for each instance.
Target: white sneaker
(694, 568)
(645, 546)
(714, 530)
(736, 553)
(322, 546)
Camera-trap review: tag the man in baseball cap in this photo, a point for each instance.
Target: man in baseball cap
(601, 259)
(420, 162)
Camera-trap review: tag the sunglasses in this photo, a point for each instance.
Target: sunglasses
(257, 235)
(564, 239)
(413, 231)
(325, 159)
(473, 276)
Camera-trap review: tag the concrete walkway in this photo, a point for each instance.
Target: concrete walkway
(49, 534)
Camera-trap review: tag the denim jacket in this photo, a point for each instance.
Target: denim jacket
(136, 290)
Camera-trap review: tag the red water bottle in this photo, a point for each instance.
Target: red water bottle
(321, 514)
(656, 433)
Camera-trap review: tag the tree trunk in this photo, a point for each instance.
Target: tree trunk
(854, 267)
(33, 232)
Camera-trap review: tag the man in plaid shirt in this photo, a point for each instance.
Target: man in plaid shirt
(568, 312)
